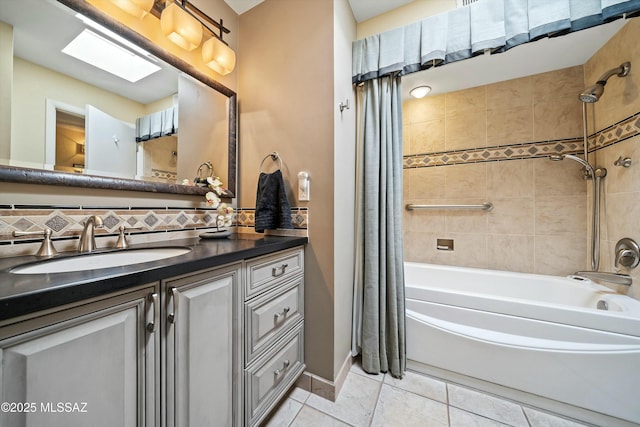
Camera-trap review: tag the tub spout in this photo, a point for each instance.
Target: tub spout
(616, 278)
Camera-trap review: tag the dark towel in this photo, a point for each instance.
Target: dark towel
(272, 207)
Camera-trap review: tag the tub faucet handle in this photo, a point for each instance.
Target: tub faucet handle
(627, 253)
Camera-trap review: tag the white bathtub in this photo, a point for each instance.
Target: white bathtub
(542, 337)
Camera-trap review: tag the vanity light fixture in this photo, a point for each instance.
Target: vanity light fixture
(183, 24)
(181, 27)
(218, 56)
(137, 8)
(420, 91)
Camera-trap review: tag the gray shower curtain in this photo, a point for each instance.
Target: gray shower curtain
(379, 313)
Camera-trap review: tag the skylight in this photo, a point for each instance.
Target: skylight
(102, 53)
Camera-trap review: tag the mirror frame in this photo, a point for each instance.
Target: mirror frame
(50, 177)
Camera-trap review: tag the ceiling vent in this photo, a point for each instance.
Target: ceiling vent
(463, 3)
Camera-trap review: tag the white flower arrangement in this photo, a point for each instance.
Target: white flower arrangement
(212, 197)
(225, 216)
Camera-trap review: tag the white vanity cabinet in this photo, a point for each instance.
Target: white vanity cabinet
(274, 326)
(201, 349)
(213, 347)
(87, 364)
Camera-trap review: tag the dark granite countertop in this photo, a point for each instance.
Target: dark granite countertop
(21, 294)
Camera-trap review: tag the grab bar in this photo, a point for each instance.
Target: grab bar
(486, 206)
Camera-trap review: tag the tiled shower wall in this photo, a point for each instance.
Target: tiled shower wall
(617, 113)
(491, 143)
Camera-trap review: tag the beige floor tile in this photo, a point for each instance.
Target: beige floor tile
(541, 419)
(401, 408)
(420, 384)
(309, 417)
(285, 414)
(357, 369)
(299, 394)
(487, 406)
(355, 403)
(460, 418)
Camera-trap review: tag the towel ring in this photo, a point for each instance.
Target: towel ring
(274, 156)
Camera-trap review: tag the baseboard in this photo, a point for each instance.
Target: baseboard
(323, 387)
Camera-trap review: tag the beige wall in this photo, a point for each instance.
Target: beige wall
(539, 220)
(286, 104)
(344, 182)
(6, 88)
(33, 85)
(621, 99)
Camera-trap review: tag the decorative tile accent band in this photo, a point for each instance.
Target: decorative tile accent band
(624, 129)
(67, 221)
(245, 217)
(618, 132)
(528, 150)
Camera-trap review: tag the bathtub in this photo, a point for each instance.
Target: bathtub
(535, 338)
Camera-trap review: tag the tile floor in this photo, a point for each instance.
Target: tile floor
(416, 400)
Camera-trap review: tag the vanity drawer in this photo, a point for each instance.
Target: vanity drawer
(264, 272)
(270, 315)
(272, 374)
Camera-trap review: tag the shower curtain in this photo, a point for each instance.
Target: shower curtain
(379, 311)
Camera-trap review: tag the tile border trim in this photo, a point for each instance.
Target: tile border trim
(618, 132)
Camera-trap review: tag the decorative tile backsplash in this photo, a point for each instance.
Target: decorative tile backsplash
(66, 222)
(245, 218)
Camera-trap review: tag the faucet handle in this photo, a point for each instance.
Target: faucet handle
(122, 242)
(46, 249)
(627, 253)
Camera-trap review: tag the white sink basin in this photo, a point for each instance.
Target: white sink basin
(100, 260)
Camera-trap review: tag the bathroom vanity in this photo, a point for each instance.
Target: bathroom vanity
(213, 337)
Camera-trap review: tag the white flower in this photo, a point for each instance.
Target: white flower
(212, 199)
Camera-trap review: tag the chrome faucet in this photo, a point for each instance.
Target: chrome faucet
(87, 241)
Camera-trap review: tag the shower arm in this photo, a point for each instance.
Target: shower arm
(620, 71)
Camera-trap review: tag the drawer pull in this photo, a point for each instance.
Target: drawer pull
(283, 314)
(282, 268)
(279, 372)
(151, 326)
(172, 317)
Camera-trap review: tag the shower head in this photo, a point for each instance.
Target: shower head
(593, 93)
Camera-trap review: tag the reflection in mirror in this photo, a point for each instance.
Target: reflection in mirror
(72, 117)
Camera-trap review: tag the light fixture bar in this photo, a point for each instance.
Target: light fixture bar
(204, 19)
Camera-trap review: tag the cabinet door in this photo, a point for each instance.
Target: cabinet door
(202, 350)
(88, 365)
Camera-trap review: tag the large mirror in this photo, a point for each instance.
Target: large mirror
(75, 124)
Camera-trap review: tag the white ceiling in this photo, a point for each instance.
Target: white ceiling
(366, 9)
